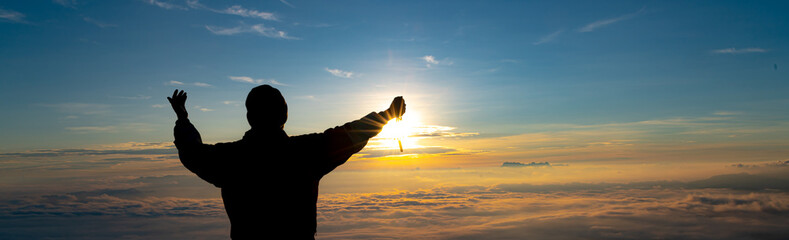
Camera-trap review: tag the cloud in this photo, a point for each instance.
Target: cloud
(158, 105)
(740, 181)
(234, 103)
(66, 3)
(438, 131)
(430, 59)
(726, 113)
(92, 129)
(98, 23)
(259, 29)
(202, 109)
(340, 73)
(287, 3)
(548, 38)
(590, 211)
(738, 51)
(13, 16)
(138, 97)
(109, 203)
(307, 97)
(258, 81)
(165, 5)
(80, 108)
(132, 148)
(138, 127)
(237, 10)
(145, 203)
(776, 164)
(179, 83)
(605, 22)
(376, 153)
(520, 164)
(240, 11)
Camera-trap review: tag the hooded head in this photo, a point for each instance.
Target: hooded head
(266, 108)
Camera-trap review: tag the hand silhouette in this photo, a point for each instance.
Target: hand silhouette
(397, 108)
(178, 101)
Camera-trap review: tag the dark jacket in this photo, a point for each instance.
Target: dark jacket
(269, 180)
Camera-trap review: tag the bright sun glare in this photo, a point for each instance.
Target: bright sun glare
(405, 130)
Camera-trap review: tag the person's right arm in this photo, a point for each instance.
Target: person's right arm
(350, 138)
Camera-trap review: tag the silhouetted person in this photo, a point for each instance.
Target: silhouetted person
(269, 180)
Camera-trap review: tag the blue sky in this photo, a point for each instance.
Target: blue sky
(94, 66)
(678, 108)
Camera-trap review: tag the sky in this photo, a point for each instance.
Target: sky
(619, 119)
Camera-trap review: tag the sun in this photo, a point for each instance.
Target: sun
(405, 130)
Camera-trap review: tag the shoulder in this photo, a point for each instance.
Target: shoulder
(307, 137)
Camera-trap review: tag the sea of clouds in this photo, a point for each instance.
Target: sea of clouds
(143, 193)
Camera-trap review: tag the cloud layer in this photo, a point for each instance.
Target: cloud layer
(161, 205)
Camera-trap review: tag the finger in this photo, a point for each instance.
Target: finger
(175, 93)
(170, 99)
(181, 93)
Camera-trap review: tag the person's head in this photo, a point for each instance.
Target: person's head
(266, 108)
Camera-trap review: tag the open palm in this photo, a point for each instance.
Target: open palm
(178, 101)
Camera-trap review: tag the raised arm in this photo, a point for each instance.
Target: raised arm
(350, 138)
(194, 154)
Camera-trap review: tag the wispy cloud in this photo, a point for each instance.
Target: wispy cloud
(258, 81)
(138, 97)
(80, 108)
(66, 3)
(91, 129)
(179, 83)
(237, 10)
(307, 97)
(726, 113)
(202, 108)
(240, 11)
(13, 16)
(165, 5)
(548, 38)
(98, 23)
(340, 73)
(257, 28)
(605, 22)
(287, 3)
(738, 51)
(234, 103)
